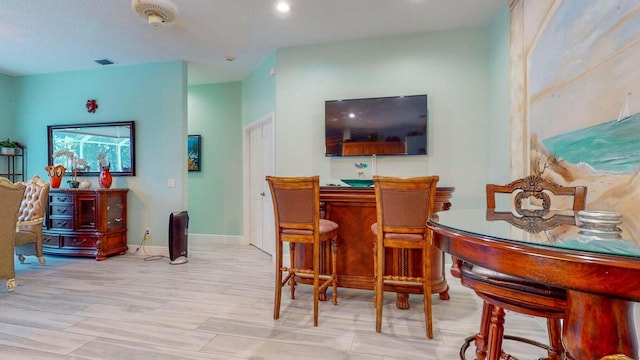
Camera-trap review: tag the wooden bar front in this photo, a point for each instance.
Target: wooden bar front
(354, 209)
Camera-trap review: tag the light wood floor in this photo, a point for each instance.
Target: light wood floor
(219, 306)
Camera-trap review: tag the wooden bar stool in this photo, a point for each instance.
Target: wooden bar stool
(403, 206)
(296, 208)
(501, 292)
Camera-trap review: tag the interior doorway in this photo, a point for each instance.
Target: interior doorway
(258, 163)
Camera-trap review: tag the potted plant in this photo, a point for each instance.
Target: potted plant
(74, 164)
(8, 147)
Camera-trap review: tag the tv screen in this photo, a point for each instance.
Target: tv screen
(390, 126)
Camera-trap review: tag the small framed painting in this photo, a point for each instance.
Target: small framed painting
(193, 150)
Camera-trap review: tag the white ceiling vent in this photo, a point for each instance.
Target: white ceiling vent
(157, 12)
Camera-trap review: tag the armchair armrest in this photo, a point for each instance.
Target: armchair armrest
(33, 222)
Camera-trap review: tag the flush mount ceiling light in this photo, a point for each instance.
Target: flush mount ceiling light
(157, 12)
(283, 7)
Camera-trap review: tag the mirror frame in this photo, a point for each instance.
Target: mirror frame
(53, 129)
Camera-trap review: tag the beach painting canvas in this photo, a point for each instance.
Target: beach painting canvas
(193, 152)
(582, 98)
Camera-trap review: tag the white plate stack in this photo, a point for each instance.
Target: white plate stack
(600, 223)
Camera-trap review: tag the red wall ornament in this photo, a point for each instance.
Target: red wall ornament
(92, 106)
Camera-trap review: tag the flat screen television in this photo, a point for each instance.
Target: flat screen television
(388, 126)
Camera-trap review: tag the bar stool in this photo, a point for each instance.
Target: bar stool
(501, 292)
(403, 206)
(296, 208)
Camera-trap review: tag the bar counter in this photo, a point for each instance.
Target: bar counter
(354, 209)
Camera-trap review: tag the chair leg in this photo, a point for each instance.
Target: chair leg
(11, 285)
(375, 273)
(556, 350)
(39, 252)
(292, 279)
(496, 333)
(379, 285)
(38, 246)
(316, 280)
(426, 289)
(334, 267)
(481, 339)
(278, 277)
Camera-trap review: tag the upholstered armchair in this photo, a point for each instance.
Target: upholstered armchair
(30, 218)
(11, 195)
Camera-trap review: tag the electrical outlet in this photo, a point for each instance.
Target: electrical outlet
(147, 233)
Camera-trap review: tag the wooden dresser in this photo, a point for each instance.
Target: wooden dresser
(354, 209)
(86, 222)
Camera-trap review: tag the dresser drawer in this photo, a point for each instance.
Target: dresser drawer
(60, 199)
(61, 223)
(51, 240)
(79, 241)
(60, 210)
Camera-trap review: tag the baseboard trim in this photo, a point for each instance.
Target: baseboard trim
(209, 239)
(194, 240)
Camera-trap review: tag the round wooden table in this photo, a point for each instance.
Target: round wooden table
(601, 276)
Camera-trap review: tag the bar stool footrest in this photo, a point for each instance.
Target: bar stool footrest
(470, 339)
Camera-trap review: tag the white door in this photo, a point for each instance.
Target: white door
(268, 233)
(262, 233)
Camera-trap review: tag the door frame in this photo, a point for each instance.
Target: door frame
(246, 163)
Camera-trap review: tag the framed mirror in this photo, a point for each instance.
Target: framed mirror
(87, 147)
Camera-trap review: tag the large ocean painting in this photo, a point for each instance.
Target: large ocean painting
(580, 85)
(611, 147)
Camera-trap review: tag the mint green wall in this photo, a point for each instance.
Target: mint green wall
(153, 95)
(215, 193)
(464, 72)
(259, 91)
(452, 67)
(499, 146)
(6, 107)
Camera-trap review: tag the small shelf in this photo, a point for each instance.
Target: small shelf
(14, 167)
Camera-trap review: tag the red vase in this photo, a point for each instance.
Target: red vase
(105, 178)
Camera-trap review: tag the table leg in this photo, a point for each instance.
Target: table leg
(597, 325)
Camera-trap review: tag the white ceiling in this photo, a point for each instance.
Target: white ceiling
(47, 36)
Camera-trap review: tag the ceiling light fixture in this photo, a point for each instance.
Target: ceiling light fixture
(283, 7)
(157, 12)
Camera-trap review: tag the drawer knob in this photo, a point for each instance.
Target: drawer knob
(76, 242)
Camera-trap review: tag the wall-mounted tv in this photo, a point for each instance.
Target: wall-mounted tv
(395, 125)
